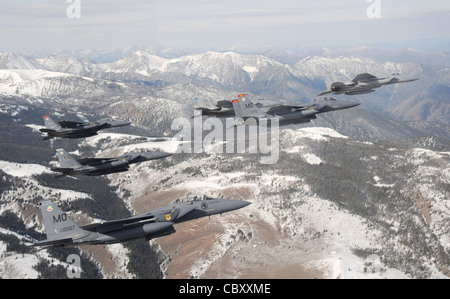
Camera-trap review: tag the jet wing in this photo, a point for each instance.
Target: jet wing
(305, 120)
(59, 169)
(205, 109)
(110, 123)
(70, 124)
(108, 226)
(143, 156)
(44, 130)
(67, 171)
(364, 76)
(356, 92)
(95, 161)
(284, 109)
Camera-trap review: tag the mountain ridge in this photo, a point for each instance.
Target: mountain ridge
(352, 185)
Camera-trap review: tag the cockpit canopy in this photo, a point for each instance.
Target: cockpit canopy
(190, 198)
(327, 99)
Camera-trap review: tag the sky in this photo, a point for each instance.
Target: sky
(27, 25)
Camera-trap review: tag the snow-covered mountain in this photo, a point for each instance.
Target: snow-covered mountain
(264, 76)
(255, 73)
(9, 60)
(346, 68)
(154, 108)
(401, 55)
(348, 187)
(138, 62)
(324, 210)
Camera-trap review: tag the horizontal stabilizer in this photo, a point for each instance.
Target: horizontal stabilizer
(54, 243)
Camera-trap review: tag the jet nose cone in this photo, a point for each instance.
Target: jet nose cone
(156, 155)
(241, 203)
(119, 123)
(164, 155)
(245, 203)
(231, 205)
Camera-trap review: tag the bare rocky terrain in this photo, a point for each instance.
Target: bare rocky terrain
(360, 193)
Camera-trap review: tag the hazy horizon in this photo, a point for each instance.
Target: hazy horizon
(48, 25)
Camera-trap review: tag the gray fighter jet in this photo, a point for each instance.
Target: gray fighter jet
(289, 114)
(100, 166)
(62, 231)
(71, 129)
(225, 108)
(364, 83)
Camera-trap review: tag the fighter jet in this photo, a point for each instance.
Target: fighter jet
(364, 83)
(289, 114)
(71, 129)
(62, 231)
(100, 166)
(224, 108)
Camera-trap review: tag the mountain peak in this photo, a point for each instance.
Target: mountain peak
(10, 60)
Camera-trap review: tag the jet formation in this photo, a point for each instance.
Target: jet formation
(225, 108)
(364, 83)
(100, 166)
(289, 114)
(244, 108)
(62, 231)
(71, 129)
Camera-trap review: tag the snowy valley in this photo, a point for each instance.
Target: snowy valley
(355, 194)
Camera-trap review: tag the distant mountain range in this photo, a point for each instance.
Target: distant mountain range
(424, 103)
(370, 181)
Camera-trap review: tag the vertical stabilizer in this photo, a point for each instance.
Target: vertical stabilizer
(57, 224)
(66, 160)
(50, 124)
(244, 107)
